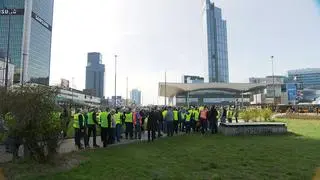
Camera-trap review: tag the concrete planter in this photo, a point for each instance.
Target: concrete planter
(252, 128)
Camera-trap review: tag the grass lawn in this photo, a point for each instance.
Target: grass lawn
(206, 157)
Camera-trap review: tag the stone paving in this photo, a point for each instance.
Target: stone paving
(68, 146)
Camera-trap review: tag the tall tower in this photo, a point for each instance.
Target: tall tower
(215, 29)
(25, 37)
(95, 74)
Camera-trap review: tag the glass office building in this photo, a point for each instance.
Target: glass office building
(308, 78)
(215, 30)
(25, 35)
(95, 74)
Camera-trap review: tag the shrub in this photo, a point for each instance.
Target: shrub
(255, 114)
(31, 117)
(266, 114)
(246, 115)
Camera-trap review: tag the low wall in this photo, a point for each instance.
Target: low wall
(236, 129)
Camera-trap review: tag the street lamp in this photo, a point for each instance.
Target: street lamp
(8, 46)
(273, 84)
(115, 80)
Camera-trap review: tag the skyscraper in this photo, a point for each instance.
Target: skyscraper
(25, 35)
(216, 43)
(95, 74)
(136, 96)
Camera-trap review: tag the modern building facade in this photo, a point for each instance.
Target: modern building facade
(135, 96)
(215, 30)
(192, 79)
(25, 36)
(95, 74)
(309, 78)
(3, 72)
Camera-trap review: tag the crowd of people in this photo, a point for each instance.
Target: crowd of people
(133, 122)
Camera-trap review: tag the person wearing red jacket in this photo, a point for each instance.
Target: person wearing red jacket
(137, 123)
(204, 119)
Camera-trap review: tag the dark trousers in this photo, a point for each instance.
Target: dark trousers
(214, 126)
(152, 133)
(129, 130)
(104, 136)
(92, 129)
(111, 135)
(188, 126)
(77, 137)
(197, 126)
(204, 126)
(137, 132)
(175, 126)
(229, 120)
(160, 127)
(181, 125)
(236, 119)
(169, 128)
(164, 127)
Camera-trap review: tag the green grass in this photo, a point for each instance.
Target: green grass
(293, 156)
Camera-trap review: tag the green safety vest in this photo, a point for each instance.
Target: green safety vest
(164, 113)
(129, 118)
(104, 119)
(175, 115)
(218, 114)
(188, 117)
(98, 118)
(183, 115)
(90, 118)
(229, 114)
(196, 115)
(118, 118)
(76, 120)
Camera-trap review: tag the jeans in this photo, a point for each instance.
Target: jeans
(170, 128)
(129, 130)
(92, 128)
(188, 127)
(118, 132)
(181, 125)
(175, 126)
(214, 126)
(137, 131)
(204, 126)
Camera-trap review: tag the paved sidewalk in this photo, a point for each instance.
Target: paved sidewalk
(68, 146)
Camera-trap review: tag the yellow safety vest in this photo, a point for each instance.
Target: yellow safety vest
(104, 119)
(118, 118)
(90, 118)
(129, 118)
(175, 116)
(76, 120)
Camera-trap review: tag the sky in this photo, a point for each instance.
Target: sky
(152, 37)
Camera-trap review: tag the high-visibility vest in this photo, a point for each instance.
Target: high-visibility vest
(164, 113)
(183, 115)
(175, 115)
(188, 117)
(229, 114)
(90, 118)
(98, 118)
(218, 114)
(203, 114)
(104, 119)
(76, 120)
(118, 118)
(196, 115)
(129, 117)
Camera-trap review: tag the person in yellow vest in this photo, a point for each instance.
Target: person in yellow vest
(188, 121)
(182, 119)
(196, 119)
(92, 122)
(78, 125)
(192, 121)
(104, 127)
(118, 119)
(128, 116)
(164, 123)
(175, 120)
(111, 127)
(230, 114)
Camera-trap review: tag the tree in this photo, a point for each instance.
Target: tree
(30, 113)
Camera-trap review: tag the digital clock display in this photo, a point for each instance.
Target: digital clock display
(4, 12)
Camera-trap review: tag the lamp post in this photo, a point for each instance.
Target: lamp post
(115, 80)
(165, 88)
(273, 84)
(8, 49)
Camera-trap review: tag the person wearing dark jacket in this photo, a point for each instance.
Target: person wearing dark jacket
(152, 125)
(213, 113)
